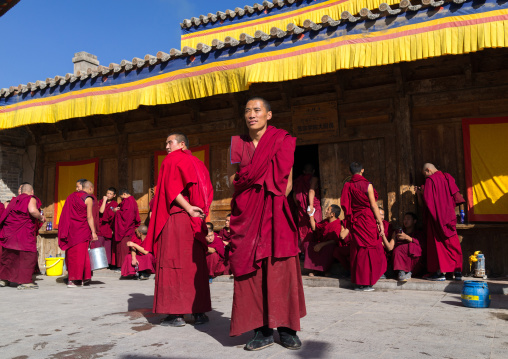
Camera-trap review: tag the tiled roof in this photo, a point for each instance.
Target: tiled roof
(292, 29)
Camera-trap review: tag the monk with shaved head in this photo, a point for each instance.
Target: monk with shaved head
(19, 225)
(75, 231)
(139, 262)
(439, 197)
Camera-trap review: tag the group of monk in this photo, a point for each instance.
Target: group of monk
(260, 244)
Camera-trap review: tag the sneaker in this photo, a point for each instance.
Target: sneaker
(407, 276)
(27, 286)
(260, 340)
(364, 288)
(457, 276)
(71, 284)
(437, 277)
(4, 283)
(401, 276)
(144, 275)
(383, 276)
(86, 282)
(289, 339)
(200, 318)
(173, 321)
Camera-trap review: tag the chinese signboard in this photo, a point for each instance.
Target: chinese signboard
(315, 123)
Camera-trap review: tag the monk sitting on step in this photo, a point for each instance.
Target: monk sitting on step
(139, 261)
(215, 254)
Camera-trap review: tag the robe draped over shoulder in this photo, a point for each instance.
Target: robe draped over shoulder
(301, 187)
(73, 227)
(126, 218)
(105, 220)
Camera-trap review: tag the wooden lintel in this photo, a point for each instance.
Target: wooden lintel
(339, 85)
(35, 135)
(119, 124)
(88, 124)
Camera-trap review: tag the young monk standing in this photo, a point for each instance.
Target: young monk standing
(268, 290)
(19, 225)
(105, 222)
(126, 221)
(358, 200)
(183, 198)
(75, 230)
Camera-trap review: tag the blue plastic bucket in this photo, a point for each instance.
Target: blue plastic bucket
(475, 294)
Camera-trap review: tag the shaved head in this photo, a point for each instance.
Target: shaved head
(88, 187)
(143, 229)
(429, 169)
(27, 188)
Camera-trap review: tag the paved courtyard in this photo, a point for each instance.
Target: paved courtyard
(113, 319)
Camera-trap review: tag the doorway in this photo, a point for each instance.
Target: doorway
(303, 155)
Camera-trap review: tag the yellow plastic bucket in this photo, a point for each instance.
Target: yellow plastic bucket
(54, 266)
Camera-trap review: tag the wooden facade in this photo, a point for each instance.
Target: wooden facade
(392, 119)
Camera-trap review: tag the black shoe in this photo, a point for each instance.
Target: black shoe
(144, 275)
(263, 337)
(200, 318)
(289, 339)
(173, 321)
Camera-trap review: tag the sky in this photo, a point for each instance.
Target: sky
(39, 37)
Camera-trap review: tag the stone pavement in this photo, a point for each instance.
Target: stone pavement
(113, 319)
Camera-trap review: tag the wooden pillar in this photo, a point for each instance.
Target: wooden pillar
(123, 156)
(404, 155)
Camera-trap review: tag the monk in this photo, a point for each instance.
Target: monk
(387, 230)
(139, 263)
(307, 198)
(328, 234)
(75, 231)
(19, 226)
(358, 200)
(126, 221)
(105, 222)
(182, 202)
(225, 235)
(439, 197)
(268, 291)
(215, 255)
(79, 184)
(407, 248)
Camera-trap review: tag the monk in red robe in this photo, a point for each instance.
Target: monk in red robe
(307, 198)
(126, 221)
(215, 255)
(268, 291)
(105, 222)
(19, 226)
(79, 184)
(139, 262)
(439, 197)
(328, 234)
(407, 249)
(182, 201)
(225, 235)
(385, 240)
(358, 200)
(75, 231)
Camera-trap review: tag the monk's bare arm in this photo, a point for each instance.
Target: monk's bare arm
(387, 244)
(193, 211)
(89, 217)
(290, 183)
(374, 207)
(135, 246)
(312, 221)
(232, 169)
(344, 232)
(312, 192)
(34, 212)
(103, 205)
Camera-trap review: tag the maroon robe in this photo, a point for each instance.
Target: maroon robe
(407, 255)
(74, 236)
(322, 260)
(126, 221)
(264, 241)
(368, 260)
(226, 236)
(215, 261)
(443, 246)
(181, 282)
(301, 187)
(18, 237)
(104, 227)
(146, 262)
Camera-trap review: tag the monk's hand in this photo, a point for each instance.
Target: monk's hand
(105, 198)
(129, 244)
(43, 218)
(116, 209)
(135, 262)
(94, 237)
(196, 212)
(211, 250)
(318, 247)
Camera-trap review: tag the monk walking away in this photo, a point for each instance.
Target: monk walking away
(177, 235)
(268, 291)
(19, 225)
(75, 231)
(439, 197)
(126, 221)
(362, 217)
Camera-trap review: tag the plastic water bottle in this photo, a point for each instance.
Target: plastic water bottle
(462, 216)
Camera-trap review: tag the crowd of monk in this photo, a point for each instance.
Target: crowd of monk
(266, 232)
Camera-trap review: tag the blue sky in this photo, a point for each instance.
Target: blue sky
(39, 37)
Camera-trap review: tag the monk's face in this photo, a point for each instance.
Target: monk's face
(256, 115)
(79, 186)
(110, 195)
(328, 212)
(125, 195)
(409, 221)
(210, 237)
(382, 213)
(173, 145)
(227, 222)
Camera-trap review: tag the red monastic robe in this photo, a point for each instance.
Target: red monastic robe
(18, 237)
(74, 236)
(181, 282)
(215, 261)
(225, 235)
(126, 221)
(301, 187)
(104, 227)
(322, 260)
(368, 260)
(443, 246)
(264, 241)
(146, 262)
(407, 255)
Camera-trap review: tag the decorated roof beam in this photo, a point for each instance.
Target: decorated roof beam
(384, 7)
